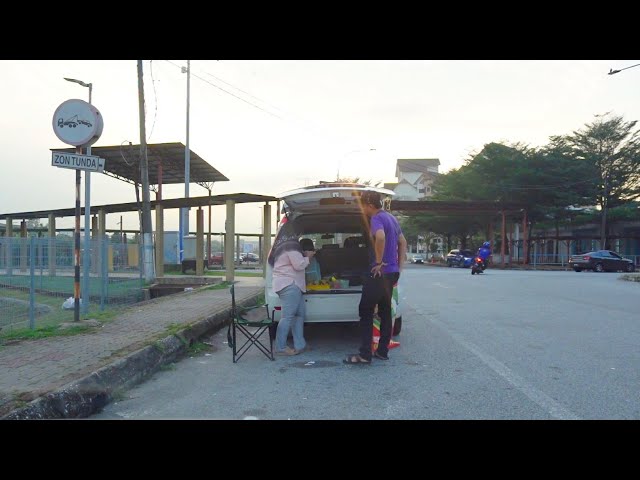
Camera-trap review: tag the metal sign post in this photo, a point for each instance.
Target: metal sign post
(80, 124)
(76, 250)
(87, 213)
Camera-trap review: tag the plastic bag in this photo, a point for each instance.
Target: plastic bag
(312, 272)
(69, 303)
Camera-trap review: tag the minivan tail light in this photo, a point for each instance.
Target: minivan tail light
(277, 308)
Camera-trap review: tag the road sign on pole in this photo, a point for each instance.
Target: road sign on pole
(90, 163)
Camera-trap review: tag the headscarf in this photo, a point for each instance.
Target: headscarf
(307, 244)
(286, 241)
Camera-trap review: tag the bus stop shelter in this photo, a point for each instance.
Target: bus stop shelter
(165, 166)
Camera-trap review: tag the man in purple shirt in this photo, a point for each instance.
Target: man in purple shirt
(388, 251)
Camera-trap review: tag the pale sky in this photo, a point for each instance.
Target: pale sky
(314, 117)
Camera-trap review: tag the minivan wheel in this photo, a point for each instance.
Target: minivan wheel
(630, 267)
(599, 267)
(397, 326)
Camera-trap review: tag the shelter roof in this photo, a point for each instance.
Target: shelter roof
(123, 162)
(133, 206)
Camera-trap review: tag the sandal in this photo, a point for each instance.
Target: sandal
(287, 351)
(355, 359)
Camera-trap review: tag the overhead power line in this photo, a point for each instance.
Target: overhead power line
(227, 92)
(290, 117)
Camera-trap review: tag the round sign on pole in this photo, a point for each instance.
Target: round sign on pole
(77, 123)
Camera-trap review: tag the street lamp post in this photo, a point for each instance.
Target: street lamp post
(605, 199)
(346, 155)
(613, 72)
(87, 216)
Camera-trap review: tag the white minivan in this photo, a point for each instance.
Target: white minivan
(330, 215)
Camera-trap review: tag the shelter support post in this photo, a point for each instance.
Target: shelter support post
(511, 242)
(209, 233)
(266, 230)
(199, 242)
(230, 233)
(490, 235)
(159, 243)
(95, 251)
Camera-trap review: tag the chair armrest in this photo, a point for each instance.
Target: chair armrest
(255, 314)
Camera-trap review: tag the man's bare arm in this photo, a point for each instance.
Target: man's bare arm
(380, 240)
(402, 251)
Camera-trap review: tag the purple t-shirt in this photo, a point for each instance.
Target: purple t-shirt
(392, 231)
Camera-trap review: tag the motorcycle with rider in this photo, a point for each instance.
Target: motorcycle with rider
(480, 260)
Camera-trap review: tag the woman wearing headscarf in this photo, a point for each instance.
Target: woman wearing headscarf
(289, 262)
(312, 273)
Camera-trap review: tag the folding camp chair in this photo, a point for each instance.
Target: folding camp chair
(252, 322)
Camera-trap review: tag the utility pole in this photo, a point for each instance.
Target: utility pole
(603, 226)
(147, 252)
(184, 211)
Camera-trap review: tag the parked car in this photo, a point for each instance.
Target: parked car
(417, 259)
(249, 258)
(460, 258)
(330, 215)
(601, 261)
(216, 258)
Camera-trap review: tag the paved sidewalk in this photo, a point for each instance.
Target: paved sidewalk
(75, 376)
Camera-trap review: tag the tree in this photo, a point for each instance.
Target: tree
(357, 180)
(537, 179)
(456, 185)
(609, 148)
(33, 223)
(598, 165)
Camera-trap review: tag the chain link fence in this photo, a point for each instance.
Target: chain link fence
(37, 279)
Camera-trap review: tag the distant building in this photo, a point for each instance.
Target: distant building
(415, 178)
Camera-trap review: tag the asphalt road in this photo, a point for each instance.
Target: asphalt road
(501, 345)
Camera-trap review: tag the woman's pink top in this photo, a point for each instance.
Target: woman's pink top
(289, 268)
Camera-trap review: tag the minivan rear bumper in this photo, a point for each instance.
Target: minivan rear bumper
(335, 305)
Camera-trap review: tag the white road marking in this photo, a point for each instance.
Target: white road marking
(555, 409)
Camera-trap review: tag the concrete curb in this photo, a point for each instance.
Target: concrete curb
(86, 396)
(631, 277)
